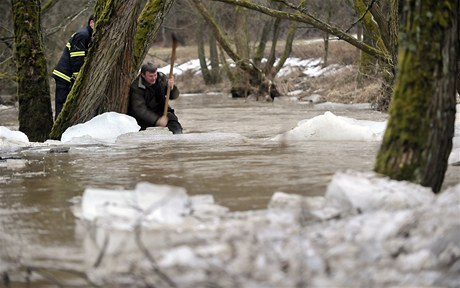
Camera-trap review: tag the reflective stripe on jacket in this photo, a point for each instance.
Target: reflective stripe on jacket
(73, 56)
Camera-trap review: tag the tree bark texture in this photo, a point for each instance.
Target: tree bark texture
(202, 53)
(35, 114)
(287, 49)
(380, 30)
(367, 64)
(112, 62)
(418, 139)
(149, 22)
(214, 58)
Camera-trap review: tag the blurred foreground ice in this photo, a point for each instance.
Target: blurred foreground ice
(367, 231)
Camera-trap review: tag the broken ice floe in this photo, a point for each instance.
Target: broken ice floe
(367, 231)
(104, 128)
(336, 128)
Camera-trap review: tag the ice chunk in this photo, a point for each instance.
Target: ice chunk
(104, 128)
(331, 127)
(368, 192)
(162, 204)
(9, 137)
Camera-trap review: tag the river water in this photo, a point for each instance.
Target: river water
(36, 195)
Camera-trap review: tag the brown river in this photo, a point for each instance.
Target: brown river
(36, 223)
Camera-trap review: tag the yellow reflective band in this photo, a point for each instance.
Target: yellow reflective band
(61, 75)
(75, 74)
(67, 45)
(77, 54)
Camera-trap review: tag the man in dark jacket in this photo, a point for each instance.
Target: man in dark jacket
(68, 67)
(147, 99)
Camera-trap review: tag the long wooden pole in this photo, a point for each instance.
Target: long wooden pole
(173, 58)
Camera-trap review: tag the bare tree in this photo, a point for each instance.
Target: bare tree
(418, 139)
(211, 75)
(35, 114)
(382, 48)
(250, 76)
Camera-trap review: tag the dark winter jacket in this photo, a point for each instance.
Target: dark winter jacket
(146, 103)
(73, 56)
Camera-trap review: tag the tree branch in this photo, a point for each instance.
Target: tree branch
(309, 19)
(360, 18)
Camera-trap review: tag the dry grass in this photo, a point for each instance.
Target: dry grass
(338, 87)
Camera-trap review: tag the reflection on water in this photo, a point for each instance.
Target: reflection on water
(36, 221)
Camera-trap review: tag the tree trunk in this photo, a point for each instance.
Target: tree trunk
(272, 55)
(201, 52)
(287, 49)
(326, 48)
(367, 64)
(35, 114)
(241, 87)
(418, 139)
(259, 54)
(149, 24)
(214, 58)
(389, 68)
(377, 34)
(117, 50)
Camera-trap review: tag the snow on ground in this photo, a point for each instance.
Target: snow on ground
(310, 67)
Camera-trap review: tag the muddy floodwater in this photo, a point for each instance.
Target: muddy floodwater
(36, 193)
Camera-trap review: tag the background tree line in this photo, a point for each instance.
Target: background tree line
(413, 46)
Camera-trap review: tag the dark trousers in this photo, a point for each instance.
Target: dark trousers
(62, 90)
(173, 124)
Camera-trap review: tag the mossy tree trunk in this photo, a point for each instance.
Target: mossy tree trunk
(213, 75)
(216, 74)
(418, 139)
(380, 30)
(200, 32)
(367, 64)
(273, 70)
(260, 50)
(241, 86)
(149, 23)
(35, 114)
(121, 40)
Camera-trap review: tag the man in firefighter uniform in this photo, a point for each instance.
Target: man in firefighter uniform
(68, 67)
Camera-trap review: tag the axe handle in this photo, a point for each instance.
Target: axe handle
(173, 58)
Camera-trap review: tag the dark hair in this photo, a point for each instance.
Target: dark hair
(90, 18)
(148, 67)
